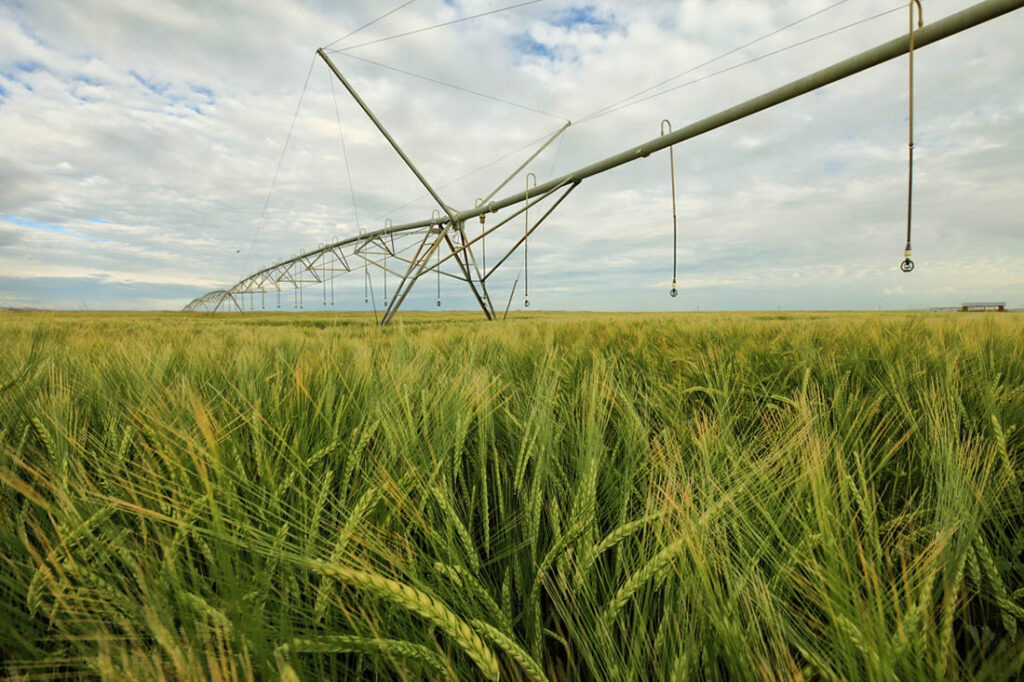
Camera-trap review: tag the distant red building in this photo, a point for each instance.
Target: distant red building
(983, 308)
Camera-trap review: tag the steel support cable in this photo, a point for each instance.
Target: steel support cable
(470, 173)
(755, 41)
(442, 83)
(277, 169)
(441, 25)
(590, 116)
(752, 60)
(558, 150)
(908, 265)
(369, 23)
(344, 150)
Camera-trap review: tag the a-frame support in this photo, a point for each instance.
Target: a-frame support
(463, 256)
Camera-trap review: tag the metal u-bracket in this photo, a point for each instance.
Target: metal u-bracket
(526, 242)
(908, 265)
(387, 225)
(483, 232)
(334, 240)
(391, 235)
(366, 269)
(674, 291)
(323, 271)
(436, 216)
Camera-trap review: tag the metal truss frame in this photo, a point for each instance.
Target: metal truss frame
(443, 238)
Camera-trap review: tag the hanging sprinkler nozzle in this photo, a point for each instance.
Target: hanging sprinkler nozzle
(673, 292)
(907, 265)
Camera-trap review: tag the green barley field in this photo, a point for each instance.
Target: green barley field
(556, 497)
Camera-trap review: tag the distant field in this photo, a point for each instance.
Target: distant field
(565, 497)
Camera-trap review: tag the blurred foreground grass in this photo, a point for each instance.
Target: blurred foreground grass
(577, 497)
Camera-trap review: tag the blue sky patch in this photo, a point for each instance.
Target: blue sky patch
(86, 80)
(586, 16)
(153, 85)
(204, 91)
(53, 228)
(525, 44)
(19, 70)
(29, 66)
(80, 97)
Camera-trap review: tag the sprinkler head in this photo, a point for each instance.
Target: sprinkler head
(673, 292)
(907, 265)
(526, 302)
(438, 303)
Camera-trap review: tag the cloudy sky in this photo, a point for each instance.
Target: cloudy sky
(139, 140)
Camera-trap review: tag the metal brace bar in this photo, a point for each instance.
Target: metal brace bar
(525, 163)
(518, 212)
(535, 226)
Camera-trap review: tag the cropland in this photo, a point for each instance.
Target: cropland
(701, 496)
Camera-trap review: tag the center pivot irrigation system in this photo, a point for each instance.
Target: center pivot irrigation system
(411, 251)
